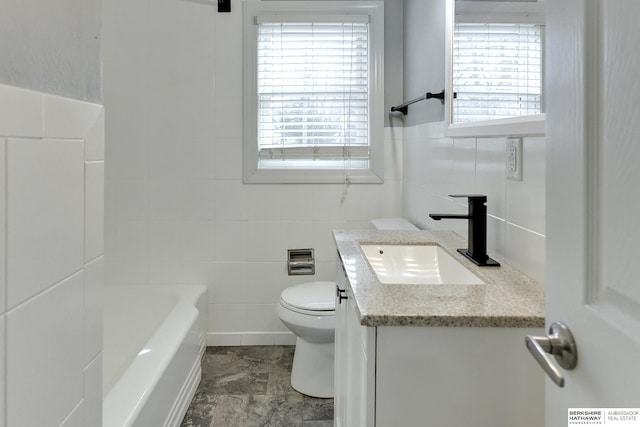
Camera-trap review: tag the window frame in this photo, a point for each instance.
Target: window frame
(531, 125)
(460, 68)
(374, 173)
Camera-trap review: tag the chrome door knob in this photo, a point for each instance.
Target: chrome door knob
(559, 343)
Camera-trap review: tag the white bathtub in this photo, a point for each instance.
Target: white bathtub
(153, 345)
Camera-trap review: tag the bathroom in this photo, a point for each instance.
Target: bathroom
(165, 153)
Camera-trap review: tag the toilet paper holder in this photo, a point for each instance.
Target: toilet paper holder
(301, 262)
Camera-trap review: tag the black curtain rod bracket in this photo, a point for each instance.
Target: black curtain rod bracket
(404, 108)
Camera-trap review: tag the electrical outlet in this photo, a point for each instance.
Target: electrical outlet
(514, 159)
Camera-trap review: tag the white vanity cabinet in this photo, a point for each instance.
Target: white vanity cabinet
(355, 362)
(389, 376)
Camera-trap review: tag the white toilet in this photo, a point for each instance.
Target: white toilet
(308, 310)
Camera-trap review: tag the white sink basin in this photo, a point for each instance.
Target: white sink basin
(417, 265)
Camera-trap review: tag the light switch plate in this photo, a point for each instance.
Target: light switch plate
(514, 159)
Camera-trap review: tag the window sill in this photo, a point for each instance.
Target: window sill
(293, 176)
(515, 126)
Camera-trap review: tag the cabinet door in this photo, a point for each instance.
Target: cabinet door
(354, 385)
(360, 387)
(341, 347)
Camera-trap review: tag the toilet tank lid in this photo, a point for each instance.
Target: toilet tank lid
(392, 224)
(318, 296)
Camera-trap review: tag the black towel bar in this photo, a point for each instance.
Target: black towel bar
(404, 108)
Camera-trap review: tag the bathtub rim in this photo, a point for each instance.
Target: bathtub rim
(126, 399)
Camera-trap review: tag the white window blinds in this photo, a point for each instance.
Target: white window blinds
(313, 92)
(497, 71)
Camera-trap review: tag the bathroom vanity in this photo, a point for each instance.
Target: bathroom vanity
(445, 355)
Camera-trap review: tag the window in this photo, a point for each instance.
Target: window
(497, 71)
(313, 88)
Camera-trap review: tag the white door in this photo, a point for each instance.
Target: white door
(593, 200)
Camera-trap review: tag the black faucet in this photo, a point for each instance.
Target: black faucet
(477, 250)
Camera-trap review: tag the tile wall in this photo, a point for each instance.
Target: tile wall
(51, 229)
(177, 210)
(436, 166)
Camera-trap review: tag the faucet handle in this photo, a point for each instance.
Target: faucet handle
(473, 198)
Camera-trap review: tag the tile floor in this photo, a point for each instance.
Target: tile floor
(250, 387)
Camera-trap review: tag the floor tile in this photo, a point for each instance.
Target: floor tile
(258, 410)
(250, 386)
(318, 423)
(317, 409)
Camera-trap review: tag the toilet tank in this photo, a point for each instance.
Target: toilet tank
(391, 224)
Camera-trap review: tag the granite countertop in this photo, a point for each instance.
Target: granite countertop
(508, 299)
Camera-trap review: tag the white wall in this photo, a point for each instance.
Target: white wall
(51, 204)
(424, 41)
(52, 46)
(176, 208)
(435, 166)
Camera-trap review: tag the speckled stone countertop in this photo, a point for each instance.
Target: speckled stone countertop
(509, 299)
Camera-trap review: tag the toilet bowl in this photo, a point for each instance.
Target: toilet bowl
(308, 310)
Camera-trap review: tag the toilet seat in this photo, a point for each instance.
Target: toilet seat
(313, 298)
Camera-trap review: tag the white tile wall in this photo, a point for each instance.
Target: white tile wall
(228, 158)
(200, 162)
(526, 201)
(2, 371)
(51, 323)
(94, 140)
(165, 272)
(200, 240)
(327, 204)
(52, 156)
(129, 242)
(161, 197)
(297, 203)
(490, 179)
(261, 273)
(435, 166)
(66, 117)
(231, 239)
(497, 239)
(260, 317)
(176, 207)
(92, 300)
(93, 393)
(3, 231)
(21, 112)
(264, 241)
(45, 214)
(134, 272)
(75, 418)
(231, 199)
(94, 210)
(228, 318)
(464, 167)
(525, 250)
(132, 202)
(229, 281)
(164, 241)
(196, 201)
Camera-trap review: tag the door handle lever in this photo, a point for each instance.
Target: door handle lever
(559, 343)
